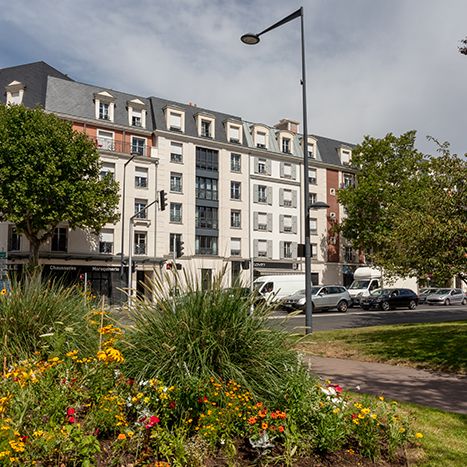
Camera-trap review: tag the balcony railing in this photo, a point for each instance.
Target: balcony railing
(107, 144)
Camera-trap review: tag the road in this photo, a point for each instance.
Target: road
(356, 318)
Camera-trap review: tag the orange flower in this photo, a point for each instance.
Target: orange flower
(252, 420)
(262, 413)
(121, 436)
(281, 429)
(264, 426)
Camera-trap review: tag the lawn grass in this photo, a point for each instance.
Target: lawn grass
(432, 346)
(444, 441)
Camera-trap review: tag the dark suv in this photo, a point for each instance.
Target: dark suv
(387, 299)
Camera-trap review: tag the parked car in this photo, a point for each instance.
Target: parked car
(387, 299)
(446, 297)
(324, 297)
(276, 288)
(423, 294)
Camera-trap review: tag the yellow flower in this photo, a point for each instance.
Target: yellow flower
(381, 398)
(419, 435)
(3, 292)
(373, 416)
(131, 434)
(366, 411)
(401, 430)
(336, 410)
(356, 421)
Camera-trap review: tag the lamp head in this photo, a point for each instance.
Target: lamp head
(250, 38)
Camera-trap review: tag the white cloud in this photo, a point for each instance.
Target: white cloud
(373, 66)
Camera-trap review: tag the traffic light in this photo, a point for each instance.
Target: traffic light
(179, 248)
(162, 200)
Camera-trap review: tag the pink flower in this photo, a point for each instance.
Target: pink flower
(153, 420)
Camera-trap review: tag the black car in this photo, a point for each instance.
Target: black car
(387, 299)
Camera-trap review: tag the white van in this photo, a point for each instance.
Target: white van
(278, 287)
(366, 280)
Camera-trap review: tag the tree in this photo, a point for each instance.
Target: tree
(463, 47)
(50, 174)
(408, 212)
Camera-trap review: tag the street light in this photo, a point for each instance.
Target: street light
(252, 39)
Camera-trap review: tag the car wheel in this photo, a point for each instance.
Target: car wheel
(342, 306)
(412, 305)
(385, 306)
(447, 302)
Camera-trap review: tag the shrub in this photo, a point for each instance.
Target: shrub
(43, 317)
(204, 333)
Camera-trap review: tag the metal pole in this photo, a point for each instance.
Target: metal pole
(306, 189)
(122, 222)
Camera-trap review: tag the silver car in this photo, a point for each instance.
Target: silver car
(324, 297)
(446, 297)
(423, 294)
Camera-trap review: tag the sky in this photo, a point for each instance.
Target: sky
(372, 66)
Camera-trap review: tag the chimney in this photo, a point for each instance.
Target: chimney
(288, 125)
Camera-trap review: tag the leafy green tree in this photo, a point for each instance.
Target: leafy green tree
(50, 174)
(407, 211)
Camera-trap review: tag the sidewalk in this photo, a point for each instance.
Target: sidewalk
(442, 391)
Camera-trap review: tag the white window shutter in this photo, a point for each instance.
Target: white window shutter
(268, 166)
(294, 198)
(269, 221)
(282, 169)
(255, 221)
(269, 194)
(256, 165)
(255, 248)
(281, 250)
(294, 250)
(294, 171)
(269, 248)
(255, 193)
(281, 223)
(281, 197)
(294, 224)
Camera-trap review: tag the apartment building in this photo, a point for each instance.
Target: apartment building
(234, 189)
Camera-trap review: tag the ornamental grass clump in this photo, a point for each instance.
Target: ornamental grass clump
(45, 317)
(197, 333)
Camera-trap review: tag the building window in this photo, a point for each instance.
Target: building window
(14, 239)
(313, 226)
(235, 162)
(140, 211)
(312, 198)
(349, 180)
(345, 157)
(106, 169)
(287, 170)
(235, 246)
(207, 159)
(176, 182)
(288, 198)
(286, 145)
(235, 190)
(176, 212)
(60, 239)
(262, 248)
(104, 111)
(206, 279)
(205, 245)
(176, 152)
(287, 226)
(138, 145)
(263, 221)
(262, 166)
(174, 239)
(234, 134)
(311, 150)
(260, 139)
(106, 242)
(235, 219)
(140, 243)
(141, 177)
(314, 251)
(175, 121)
(312, 176)
(287, 250)
(349, 254)
(136, 119)
(206, 217)
(262, 194)
(206, 128)
(105, 140)
(206, 188)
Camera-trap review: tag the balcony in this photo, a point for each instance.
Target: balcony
(107, 144)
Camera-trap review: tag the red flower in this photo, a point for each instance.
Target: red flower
(354, 415)
(337, 388)
(172, 405)
(71, 419)
(281, 429)
(153, 420)
(70, 411)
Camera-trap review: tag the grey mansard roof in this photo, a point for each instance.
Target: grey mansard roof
(56, 92)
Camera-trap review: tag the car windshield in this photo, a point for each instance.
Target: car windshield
(359, 284)
(315, 290)
(380, 292)
(442, 291)
(427, 291)
(258, 285)
(300, 292)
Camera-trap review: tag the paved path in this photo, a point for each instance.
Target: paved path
(399, 383)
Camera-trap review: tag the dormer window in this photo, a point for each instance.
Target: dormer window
(260, 139)
(136, 113)
(206, 128)
(105, 105)
(175, 118)
(235, 133)
(311, 148)
(286, 145)
(345, 155)
(14, 93)
(175, 121)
